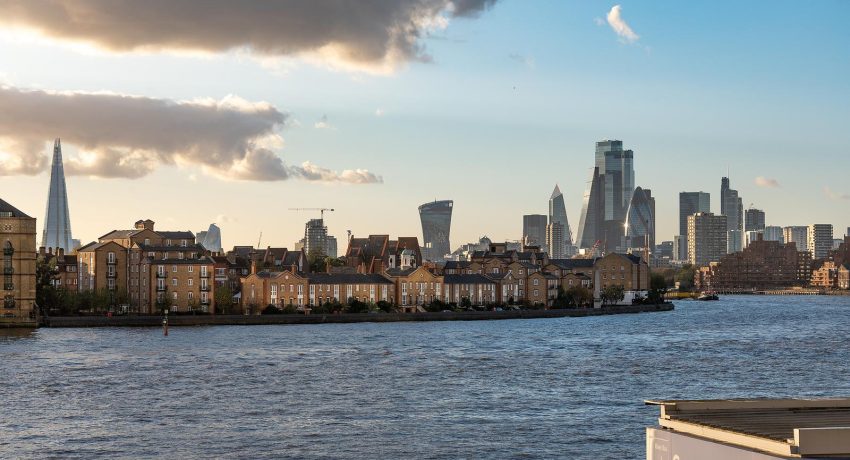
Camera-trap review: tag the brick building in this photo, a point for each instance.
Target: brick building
(761, 265)
(17, 238)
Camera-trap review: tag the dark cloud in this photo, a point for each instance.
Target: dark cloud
(355, 31)
(125, 136)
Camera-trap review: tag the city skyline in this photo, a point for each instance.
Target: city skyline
(359, 132)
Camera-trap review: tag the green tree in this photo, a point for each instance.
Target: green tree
(224, 300)
(611, 295)
(685, 277)
(163, 300)
(356, 306)
(316, 259)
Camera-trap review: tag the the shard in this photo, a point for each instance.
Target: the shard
(57, 222)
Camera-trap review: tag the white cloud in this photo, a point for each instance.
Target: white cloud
(833, 195)
(766, 182)
(620, 27)
(379, 112)
(311, 172)
(323, 123)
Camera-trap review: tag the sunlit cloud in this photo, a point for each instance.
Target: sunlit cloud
(122, 136)
(374, 36)
(620, 27)
(766, 182)
(323, 123)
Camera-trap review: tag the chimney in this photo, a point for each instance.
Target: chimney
(60, 253)
(294, 270)
(253, 266)
(42, 251)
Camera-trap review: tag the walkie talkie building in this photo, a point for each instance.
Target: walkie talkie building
(436, 224)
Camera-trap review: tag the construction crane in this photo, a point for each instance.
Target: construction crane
(592, 251)
(321, 210)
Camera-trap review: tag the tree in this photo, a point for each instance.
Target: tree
(163, 301)
(685, 277)
(465, 303)
(316, 260)
(612, 294)
(579, 296)
(46, 295)
(562, 301)
(385, 306)
(657, 288)
(224, 300)
(356, 306)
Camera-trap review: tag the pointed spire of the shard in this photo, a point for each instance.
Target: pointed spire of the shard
(57, 223)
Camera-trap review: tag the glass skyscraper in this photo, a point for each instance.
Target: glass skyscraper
(640, 223)
(534, 229)
(607, 199)
(558, 214)
(436, 220)
(57, 222)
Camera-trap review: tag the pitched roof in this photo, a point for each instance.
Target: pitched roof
(162, 248)
(467, 279)
(8, 208)
(568, 264)
(400, 271)
(119, 234)
(199, 261)
(456, 264)
(176, 235)
(347, 278)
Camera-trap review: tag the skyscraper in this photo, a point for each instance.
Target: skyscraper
(819, 240)
(436, 220)
(57, 222)
(558, 213)
(731, 206)
(799, 235)
(608, 196)
(640, 222)
(210, 239)
(706, 238)
(691, 203)
(592, 216)
(315, 237)
(534, 230)
(555, 240)
(754, 220)
(773, 233)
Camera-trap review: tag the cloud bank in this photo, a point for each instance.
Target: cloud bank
(356, 32)
(620, 27)
(766, 182)
(122, 136)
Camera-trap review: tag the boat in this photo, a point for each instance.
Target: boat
(708, 296)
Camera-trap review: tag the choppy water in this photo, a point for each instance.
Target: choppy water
(551, 388)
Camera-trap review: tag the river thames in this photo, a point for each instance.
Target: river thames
(548, 388)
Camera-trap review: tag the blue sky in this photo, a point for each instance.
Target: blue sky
(511, 104)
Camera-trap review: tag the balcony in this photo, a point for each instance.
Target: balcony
(161, 288)
(205, 288)
(112, 275)
(160, 274)
(205, 275)
(205, 301)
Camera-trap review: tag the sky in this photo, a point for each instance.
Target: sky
(191, 112)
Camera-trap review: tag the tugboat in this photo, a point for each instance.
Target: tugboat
(706, 296)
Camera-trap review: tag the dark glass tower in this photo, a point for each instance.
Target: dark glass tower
(57, 223)
(436, 220)
(640, 223)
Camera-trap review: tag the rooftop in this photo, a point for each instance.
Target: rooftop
(789, 427)
(7, 210)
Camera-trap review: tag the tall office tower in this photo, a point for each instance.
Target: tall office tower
(734, 241)
(798, 235)
(754, 220)
(680, 248)
(706, 238)
(691, 203)
(819, 240)
(210, 239)
(848, 232)
(774, 233)
(558, 213)
(332, 248)
(618, 179)
(753, 235)
(731, 206)
(591, 221)
(436, 220)
(57, 223)
(534, 230)
(555, 240)
(315, 237)
(640, 221)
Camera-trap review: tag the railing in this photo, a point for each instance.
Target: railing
(205, 275)
(205, 288)
(160, 288)
(160, 274)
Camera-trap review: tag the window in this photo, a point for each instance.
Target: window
(536, 282)
(147, 241)
(174, 281)
(8, 270)
(174, 269)
(168, 242)
(110, 257)
(174, 296)
(191, 295)
(191, 281)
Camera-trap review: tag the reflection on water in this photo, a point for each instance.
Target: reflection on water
(16, 333)
(553, 388)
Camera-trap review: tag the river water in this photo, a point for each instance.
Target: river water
(548, 388)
